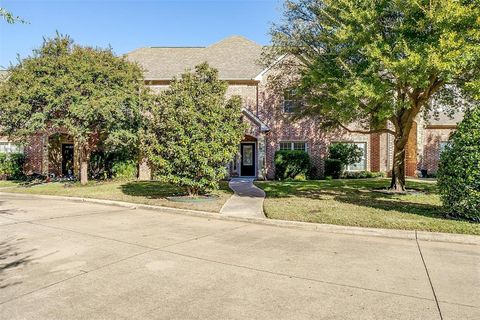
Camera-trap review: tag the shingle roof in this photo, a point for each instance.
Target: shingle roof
(236, 58)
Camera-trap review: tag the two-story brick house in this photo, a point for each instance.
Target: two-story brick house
(268, 114)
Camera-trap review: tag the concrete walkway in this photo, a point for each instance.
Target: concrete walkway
(247, 200)
(70, 260)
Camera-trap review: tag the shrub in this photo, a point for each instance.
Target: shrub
(108, 164)
(459, 170)
(291, 164)
(362, 175)
(11, 165)
(193, 130)
(347, 153)
(333, 168)
(124, 170)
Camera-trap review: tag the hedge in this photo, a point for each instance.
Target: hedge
(291, 164)
(11, 165)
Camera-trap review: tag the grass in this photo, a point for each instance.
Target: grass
(356, 203)
(143, 192)
(7, 183)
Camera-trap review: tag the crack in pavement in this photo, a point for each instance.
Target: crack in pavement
(428, 276)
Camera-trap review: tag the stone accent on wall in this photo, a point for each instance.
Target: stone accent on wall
(261, 158)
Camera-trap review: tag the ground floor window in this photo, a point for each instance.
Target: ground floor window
(10, 147)
(293, 145)
(362, 164)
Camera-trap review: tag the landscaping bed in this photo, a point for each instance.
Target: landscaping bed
(142, 192)
(358, 203)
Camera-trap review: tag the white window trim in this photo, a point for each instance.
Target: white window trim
(292, 142)
(365, 161)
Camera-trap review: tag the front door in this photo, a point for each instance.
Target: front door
(247, 167)
(67, 159)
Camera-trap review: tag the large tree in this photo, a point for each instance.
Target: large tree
(373, 66)
(86, 92)
(193, 130)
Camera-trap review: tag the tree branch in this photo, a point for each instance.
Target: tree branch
(384, 130)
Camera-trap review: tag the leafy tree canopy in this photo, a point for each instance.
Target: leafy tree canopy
(193, 130)
(87, 92)
(379, 63)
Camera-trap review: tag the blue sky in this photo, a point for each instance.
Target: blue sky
(130, 24)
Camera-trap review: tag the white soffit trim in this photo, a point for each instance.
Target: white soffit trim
(260, 75)
(254, 118)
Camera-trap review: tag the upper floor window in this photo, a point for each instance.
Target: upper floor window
(293, 145)
(291, 102)
(9, 147)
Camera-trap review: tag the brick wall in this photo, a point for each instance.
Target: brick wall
(34, 155)
(284, 128)
(431, 150)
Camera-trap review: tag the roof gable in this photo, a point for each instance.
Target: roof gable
(236, 58)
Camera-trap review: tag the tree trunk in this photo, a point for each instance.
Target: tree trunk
(193, 191)
(398, 170)
(84, 159)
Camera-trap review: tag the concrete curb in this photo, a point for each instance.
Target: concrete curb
(327, 228)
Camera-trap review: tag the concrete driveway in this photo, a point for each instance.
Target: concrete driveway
(68, 260)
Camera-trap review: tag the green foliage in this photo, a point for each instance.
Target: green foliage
(88, 92)
(193, 131)
(372, 62)
(347, 153)
(291, 164)
(333, 168)
(112, 164)
(362, 175)
(125, 170)
(9, 17)
(11, 165)
(459, 172)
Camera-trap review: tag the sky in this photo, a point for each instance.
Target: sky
(128, 24)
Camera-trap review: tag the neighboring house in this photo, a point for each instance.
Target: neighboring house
(268, 115)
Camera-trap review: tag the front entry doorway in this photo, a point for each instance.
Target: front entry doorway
(247, 166)
(67, 160)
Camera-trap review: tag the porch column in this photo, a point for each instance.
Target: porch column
(44, 166)
(261, 142)
(144, 170)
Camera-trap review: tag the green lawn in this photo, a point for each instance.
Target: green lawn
(355, 203)
(5, 183)
(144, 192)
